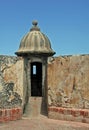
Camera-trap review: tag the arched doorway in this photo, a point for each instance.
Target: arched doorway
(36, 79)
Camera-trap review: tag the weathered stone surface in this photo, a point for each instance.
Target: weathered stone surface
(68, 84)
(69, 114)
(11, 74)
(12, 114)
(67, 78)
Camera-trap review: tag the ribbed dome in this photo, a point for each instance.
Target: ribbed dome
(35, 42)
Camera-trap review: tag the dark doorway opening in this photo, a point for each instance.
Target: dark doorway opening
(36, 79)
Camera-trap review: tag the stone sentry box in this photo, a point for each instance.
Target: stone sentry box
(35, 87)
(35, 48)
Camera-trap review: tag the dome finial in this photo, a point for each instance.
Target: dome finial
(35, 27)
(35, 22)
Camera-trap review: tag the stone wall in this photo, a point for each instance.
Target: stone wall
(68, 88)
(69, 114)
(11, 81)
(67, 77)
(68, 81)
(10, 114)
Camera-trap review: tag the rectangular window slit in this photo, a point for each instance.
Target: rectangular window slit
(34, 69)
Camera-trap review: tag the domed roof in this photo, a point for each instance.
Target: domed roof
(35, 42)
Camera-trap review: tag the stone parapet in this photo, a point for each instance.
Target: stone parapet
(68, 82)
(69, 114)
(10, 114)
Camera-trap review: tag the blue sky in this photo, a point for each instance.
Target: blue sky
(65, 22)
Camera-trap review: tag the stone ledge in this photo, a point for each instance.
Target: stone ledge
(69, 114)
(10, 114)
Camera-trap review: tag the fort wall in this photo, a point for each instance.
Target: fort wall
(67, 82)
(68, 86)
